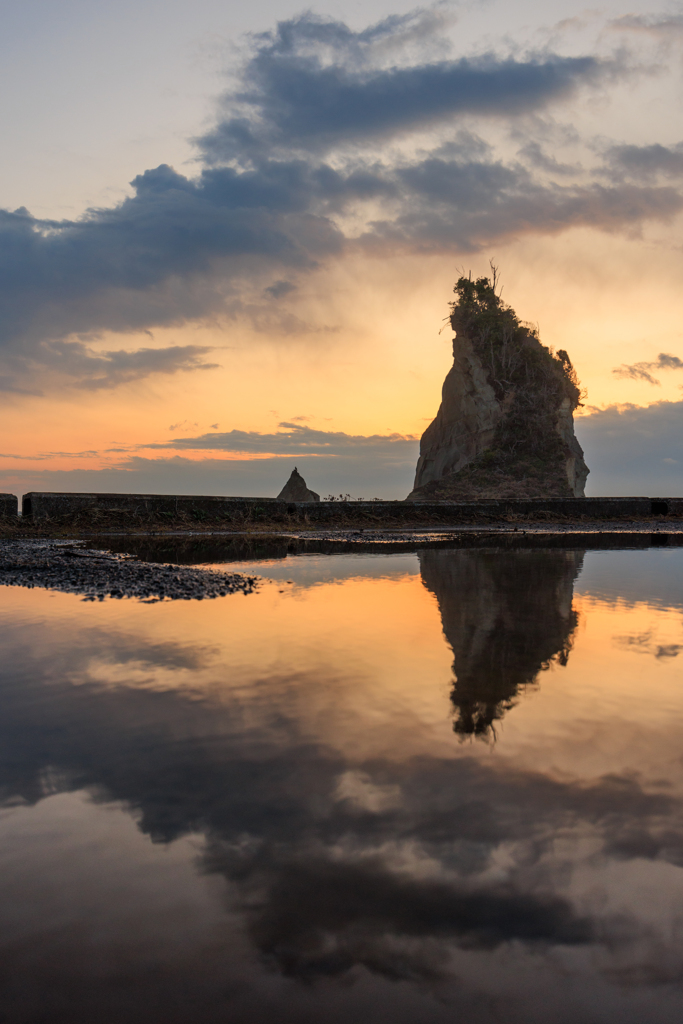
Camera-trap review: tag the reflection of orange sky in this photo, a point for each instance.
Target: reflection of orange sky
(362, 666)
(358, 668)
(373, 360)
(616, 706)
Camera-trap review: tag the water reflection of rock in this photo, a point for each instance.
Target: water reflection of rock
(507, 615)
(374, 872)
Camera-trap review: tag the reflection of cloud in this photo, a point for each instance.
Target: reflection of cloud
(116, 648)
(668, 650)
(323, 917)
(644, 643)
(357, 788)
(387, 867)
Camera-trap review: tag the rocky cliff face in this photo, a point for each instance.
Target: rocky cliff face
(505, 426)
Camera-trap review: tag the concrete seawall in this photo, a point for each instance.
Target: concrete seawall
(53, 504)
(41, 505)
(9, 505)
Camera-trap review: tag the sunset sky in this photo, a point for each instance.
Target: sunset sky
(230, 233)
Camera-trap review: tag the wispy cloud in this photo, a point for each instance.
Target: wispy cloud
(642, 371)
(290, 439)
(657, 25)
(295, 439)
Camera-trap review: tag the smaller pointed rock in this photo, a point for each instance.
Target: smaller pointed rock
(296, 490)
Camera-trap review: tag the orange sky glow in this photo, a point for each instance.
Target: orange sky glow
(353, 340)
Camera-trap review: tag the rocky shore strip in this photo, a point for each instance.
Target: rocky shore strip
(74, 569)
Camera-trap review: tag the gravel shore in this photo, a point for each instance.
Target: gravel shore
(74, 569)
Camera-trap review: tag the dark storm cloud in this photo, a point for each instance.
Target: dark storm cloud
(643, 162)
(175, 249)
(628, 442)
(280, 288)
(295, 96)
(180, 248)
(148, 261)
(310, 920)
(534, 154)
(641, 371)
(448, 204)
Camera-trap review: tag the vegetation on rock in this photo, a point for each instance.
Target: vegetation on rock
(531, 383)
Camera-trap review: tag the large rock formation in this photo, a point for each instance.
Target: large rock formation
(505, 427)
(507, 616)
(296, 490)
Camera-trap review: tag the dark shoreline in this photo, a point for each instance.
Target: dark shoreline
(74, 568)
(348, 525)
(195, 548)
(153, 567)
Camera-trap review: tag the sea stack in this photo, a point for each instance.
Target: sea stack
(505, 426)
(296, 490)
(502, 635)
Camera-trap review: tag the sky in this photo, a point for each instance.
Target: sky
(229, 234)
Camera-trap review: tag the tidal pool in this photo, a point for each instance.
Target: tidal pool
(418, 786)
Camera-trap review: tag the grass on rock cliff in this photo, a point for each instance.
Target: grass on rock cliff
(527, 456)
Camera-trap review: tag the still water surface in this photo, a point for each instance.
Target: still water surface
(431, 786)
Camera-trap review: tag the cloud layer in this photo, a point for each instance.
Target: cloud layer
(631, 449)
(298, 169)
(296, 439)
(312, 84)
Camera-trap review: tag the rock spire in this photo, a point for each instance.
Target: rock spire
(505, 426)
(296, 490)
